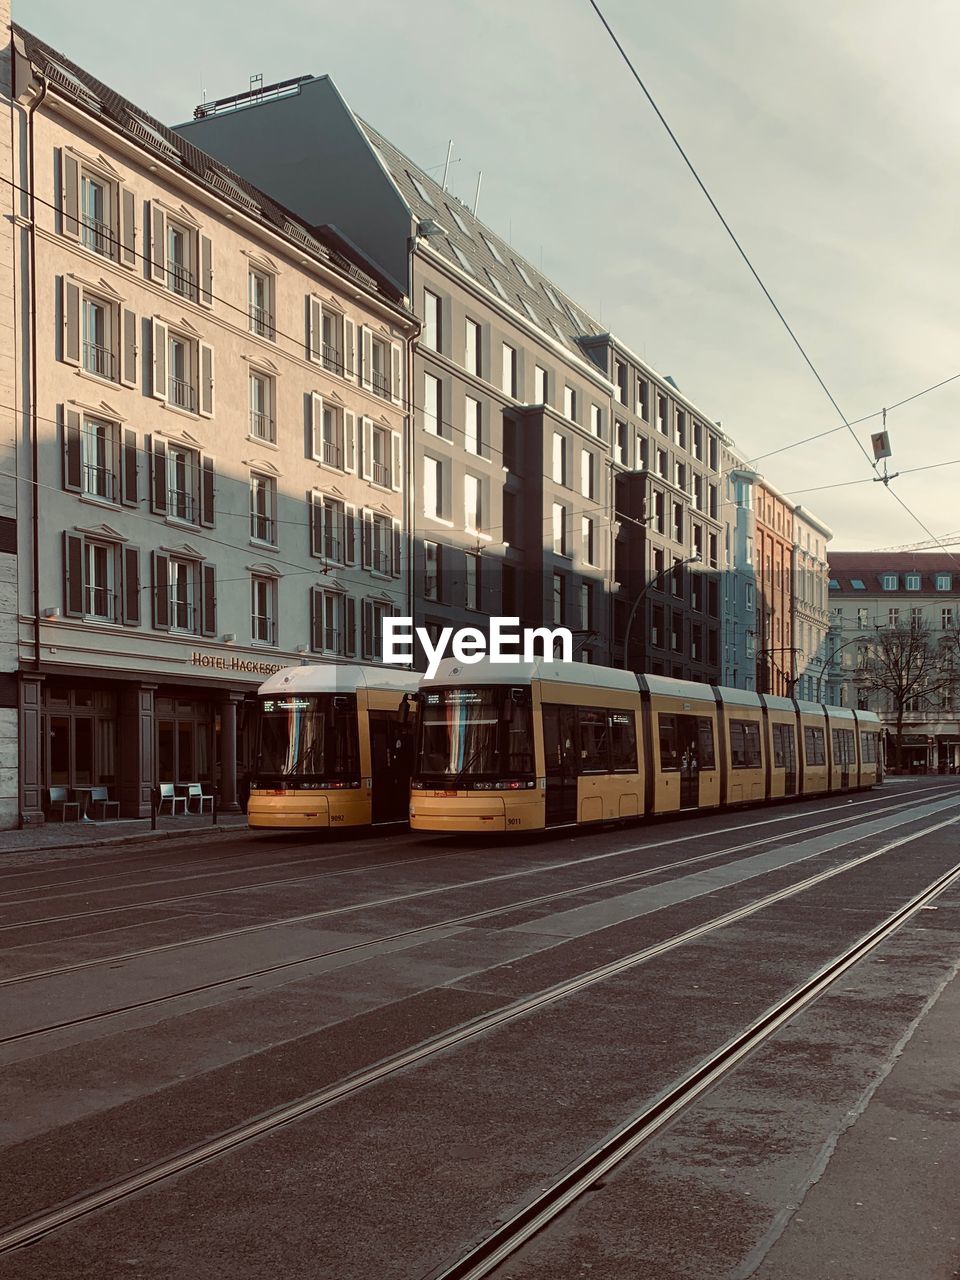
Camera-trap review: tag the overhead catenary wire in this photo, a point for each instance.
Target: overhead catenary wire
(752, 269)
(410, 406)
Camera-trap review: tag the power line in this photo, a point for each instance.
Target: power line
(842, 484)
(753, 271)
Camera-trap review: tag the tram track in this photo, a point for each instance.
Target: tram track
(424, 930)
(615, 1148)
(895, 801)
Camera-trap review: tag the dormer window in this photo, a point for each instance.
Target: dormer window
(912, 582)
(889, 582)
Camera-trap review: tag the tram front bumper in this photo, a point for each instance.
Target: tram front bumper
(297, 810)
(470, 811)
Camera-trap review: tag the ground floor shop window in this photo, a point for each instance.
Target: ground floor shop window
(184, 731)
(80, 736)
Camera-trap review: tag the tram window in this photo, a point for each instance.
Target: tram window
(844, 749)
(623, 741)
(705, 754)
(813, 745)
(669, 755)
(594, 757)
(868, 746)
(744, 744)
(784, 753)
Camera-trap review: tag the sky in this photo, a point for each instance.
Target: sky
(824, 133)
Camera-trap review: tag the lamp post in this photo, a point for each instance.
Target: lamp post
(857, 639)
(643, 591)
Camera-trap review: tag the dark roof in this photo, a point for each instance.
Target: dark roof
(151, 134)
(486, 256)
(868, 567)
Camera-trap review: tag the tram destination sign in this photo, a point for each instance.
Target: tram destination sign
(244, 666)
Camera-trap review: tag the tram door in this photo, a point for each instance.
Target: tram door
(560, 752)
(391, 759)
(687, 747)
(788, 739)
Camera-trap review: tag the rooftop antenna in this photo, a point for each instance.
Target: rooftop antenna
(476, 198)
(446, 166)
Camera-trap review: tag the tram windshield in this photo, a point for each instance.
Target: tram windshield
(309, 738)
(476, 734)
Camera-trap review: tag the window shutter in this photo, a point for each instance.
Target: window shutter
(316, 524)
(207, 493)
(349, 442)
(209, 599)
(131, 586)
(158, 476)
(349, 348)
(206, 271)
(366, 630)
(396, 462)
(161, 591)
(366, 357)
(366, 448)
(350, 535)
(71, 322)
(158, 243)
(316, 619)
(128, 227)
(129, 487)
(72, 575)
(128, 362)
(396, 381)
(206, 380)
(350, 627)
(72, 476)
(159, 351)
(396, 548)
(316, 425)
(366, 537)
(314, 328)
(70, 194)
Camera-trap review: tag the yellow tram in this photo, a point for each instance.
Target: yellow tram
(523, 746)
(334, 747)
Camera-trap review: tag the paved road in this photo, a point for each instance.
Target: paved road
(155, 998)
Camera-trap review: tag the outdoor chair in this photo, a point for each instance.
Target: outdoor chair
(99, 796)
(59, 804)
(169, 796)
(196, 792)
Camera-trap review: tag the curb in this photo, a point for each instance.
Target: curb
(138, 838)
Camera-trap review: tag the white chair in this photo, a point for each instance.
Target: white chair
(169, 796)
(195, 792)
(99, 796)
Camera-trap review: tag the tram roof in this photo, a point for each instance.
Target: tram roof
(339, 677)
(453, 671)
(668, 687)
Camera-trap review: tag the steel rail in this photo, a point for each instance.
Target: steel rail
(624, 1142)
(425, 929)
(30, 1230)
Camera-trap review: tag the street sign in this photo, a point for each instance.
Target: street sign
(881, 445)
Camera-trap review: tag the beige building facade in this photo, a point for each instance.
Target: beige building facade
(220, 444)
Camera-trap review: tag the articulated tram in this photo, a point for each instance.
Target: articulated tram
(335, 747)
(523, 746)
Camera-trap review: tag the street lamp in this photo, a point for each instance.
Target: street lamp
(636, 604)
(857, 639)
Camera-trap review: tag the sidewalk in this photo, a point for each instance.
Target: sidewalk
(91, 835)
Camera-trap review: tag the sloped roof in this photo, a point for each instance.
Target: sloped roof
(152, 135)
(473, 247)
(868, 567)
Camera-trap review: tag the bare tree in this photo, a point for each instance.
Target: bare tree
(910, 670)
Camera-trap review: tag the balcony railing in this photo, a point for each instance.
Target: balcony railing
(98, 237)
(381, 384)
(264, 629)
(180, 279)
(262, 426)
(261, 321)
(262, 527)
(333, 454)
(98, 360)
(332, 359)
(182, 615)
(381, 474)
(182, 394)
(332, 640)
(99, 482)
(380, 561)
(333, 548)
(181, 504)
(100, 603)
